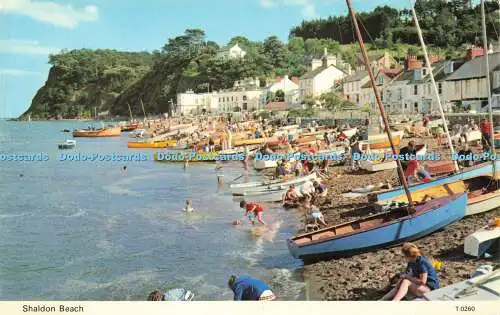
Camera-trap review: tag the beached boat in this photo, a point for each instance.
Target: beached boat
(478, 182)
(381, 141)
(485, 287)
(239, 189)
(263, 164)
(485, 240)
(381, 164)
(348, 133)
(152, 144)
(497, 140)
(191, 157)
(473, 135)
(242, 142)
(68, 144)
(380, 230)
(97, 133)
(129, 127)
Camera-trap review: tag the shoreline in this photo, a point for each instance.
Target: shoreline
(365, 277)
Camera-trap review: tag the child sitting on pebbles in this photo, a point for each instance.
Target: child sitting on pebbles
(312, 212)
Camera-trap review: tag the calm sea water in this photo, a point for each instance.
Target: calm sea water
(91, 231)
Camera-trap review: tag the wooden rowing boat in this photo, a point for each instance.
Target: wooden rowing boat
(239, 189)
(152, 144)
(242, 142)
(381, 141)
(129, 127)
(97, 133)
(380, 230)
(381, 164)
(191, 157)
(478, 183)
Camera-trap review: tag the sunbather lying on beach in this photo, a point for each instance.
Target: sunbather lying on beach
(419, 278)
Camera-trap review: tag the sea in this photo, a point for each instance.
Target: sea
(115, 230)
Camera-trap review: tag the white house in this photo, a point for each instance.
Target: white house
(352, 86)
(245, 95)
(321, 79)
(232, 52)
(468, 84)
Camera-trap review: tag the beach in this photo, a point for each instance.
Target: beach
(366, 276)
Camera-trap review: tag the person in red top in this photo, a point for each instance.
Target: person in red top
(485, 127)
(417, 172)
(253, 211)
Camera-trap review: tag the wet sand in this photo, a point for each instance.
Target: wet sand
(366, 276)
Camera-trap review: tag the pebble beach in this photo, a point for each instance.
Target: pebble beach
(367, 276)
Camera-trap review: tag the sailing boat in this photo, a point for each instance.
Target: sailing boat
(480, 183)
(131, 125)
(387, 228)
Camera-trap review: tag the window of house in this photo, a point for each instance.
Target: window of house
(245, 106)
(424, 72)
(220, 99)
(382, 95)
(357, 98)
(415, 90)
(232, 98)
(440, 88)
(415, 106)
(244, 97)
(406, 106)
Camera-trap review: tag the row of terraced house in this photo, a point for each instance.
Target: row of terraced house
(404, 87)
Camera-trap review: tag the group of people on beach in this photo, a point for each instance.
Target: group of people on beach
(419, 278)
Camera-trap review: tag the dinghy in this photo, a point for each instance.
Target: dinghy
(481, 288)
(68, 144)
(239, 189)
(381, 164)
(98, 133)
(380, 230)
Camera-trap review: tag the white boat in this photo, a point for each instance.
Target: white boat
(481, 288)
(68, 144)
(263, 164)
(239, 189)
(473, 135)
(350, 132)
(375, 165)
(435, 123)
(481, 241)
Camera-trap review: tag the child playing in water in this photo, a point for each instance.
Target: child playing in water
(188, 207)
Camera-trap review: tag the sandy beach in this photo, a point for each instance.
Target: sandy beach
(366, 276)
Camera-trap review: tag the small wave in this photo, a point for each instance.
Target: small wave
(9, 216)
(283, 284)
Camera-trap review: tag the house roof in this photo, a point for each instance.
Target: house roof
(360, 75)
(388, 75)
(277, 106)
(314, 73)
(475, 68)
(373, 56)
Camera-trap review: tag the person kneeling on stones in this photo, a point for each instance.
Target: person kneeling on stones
(312, 213)
(419, 278)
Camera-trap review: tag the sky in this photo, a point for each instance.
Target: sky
(30, 30)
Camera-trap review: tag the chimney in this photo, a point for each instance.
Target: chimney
(474, 52)
(433, 59)
(413, 63)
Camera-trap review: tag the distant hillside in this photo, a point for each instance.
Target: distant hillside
(444, 24)
(80, 80)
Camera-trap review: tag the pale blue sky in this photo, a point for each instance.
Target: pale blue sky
(31, 29)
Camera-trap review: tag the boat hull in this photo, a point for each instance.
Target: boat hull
(239, 189)
(183, 156)
(480, 242)
(152, 145)
(110, 132)
(430, 217)
(481, 170)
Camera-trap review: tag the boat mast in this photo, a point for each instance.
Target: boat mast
(435, 89)
(488, 84)
(130, 111)
(143, 111)
(379, 103)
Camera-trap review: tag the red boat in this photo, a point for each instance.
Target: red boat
(130, 127)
